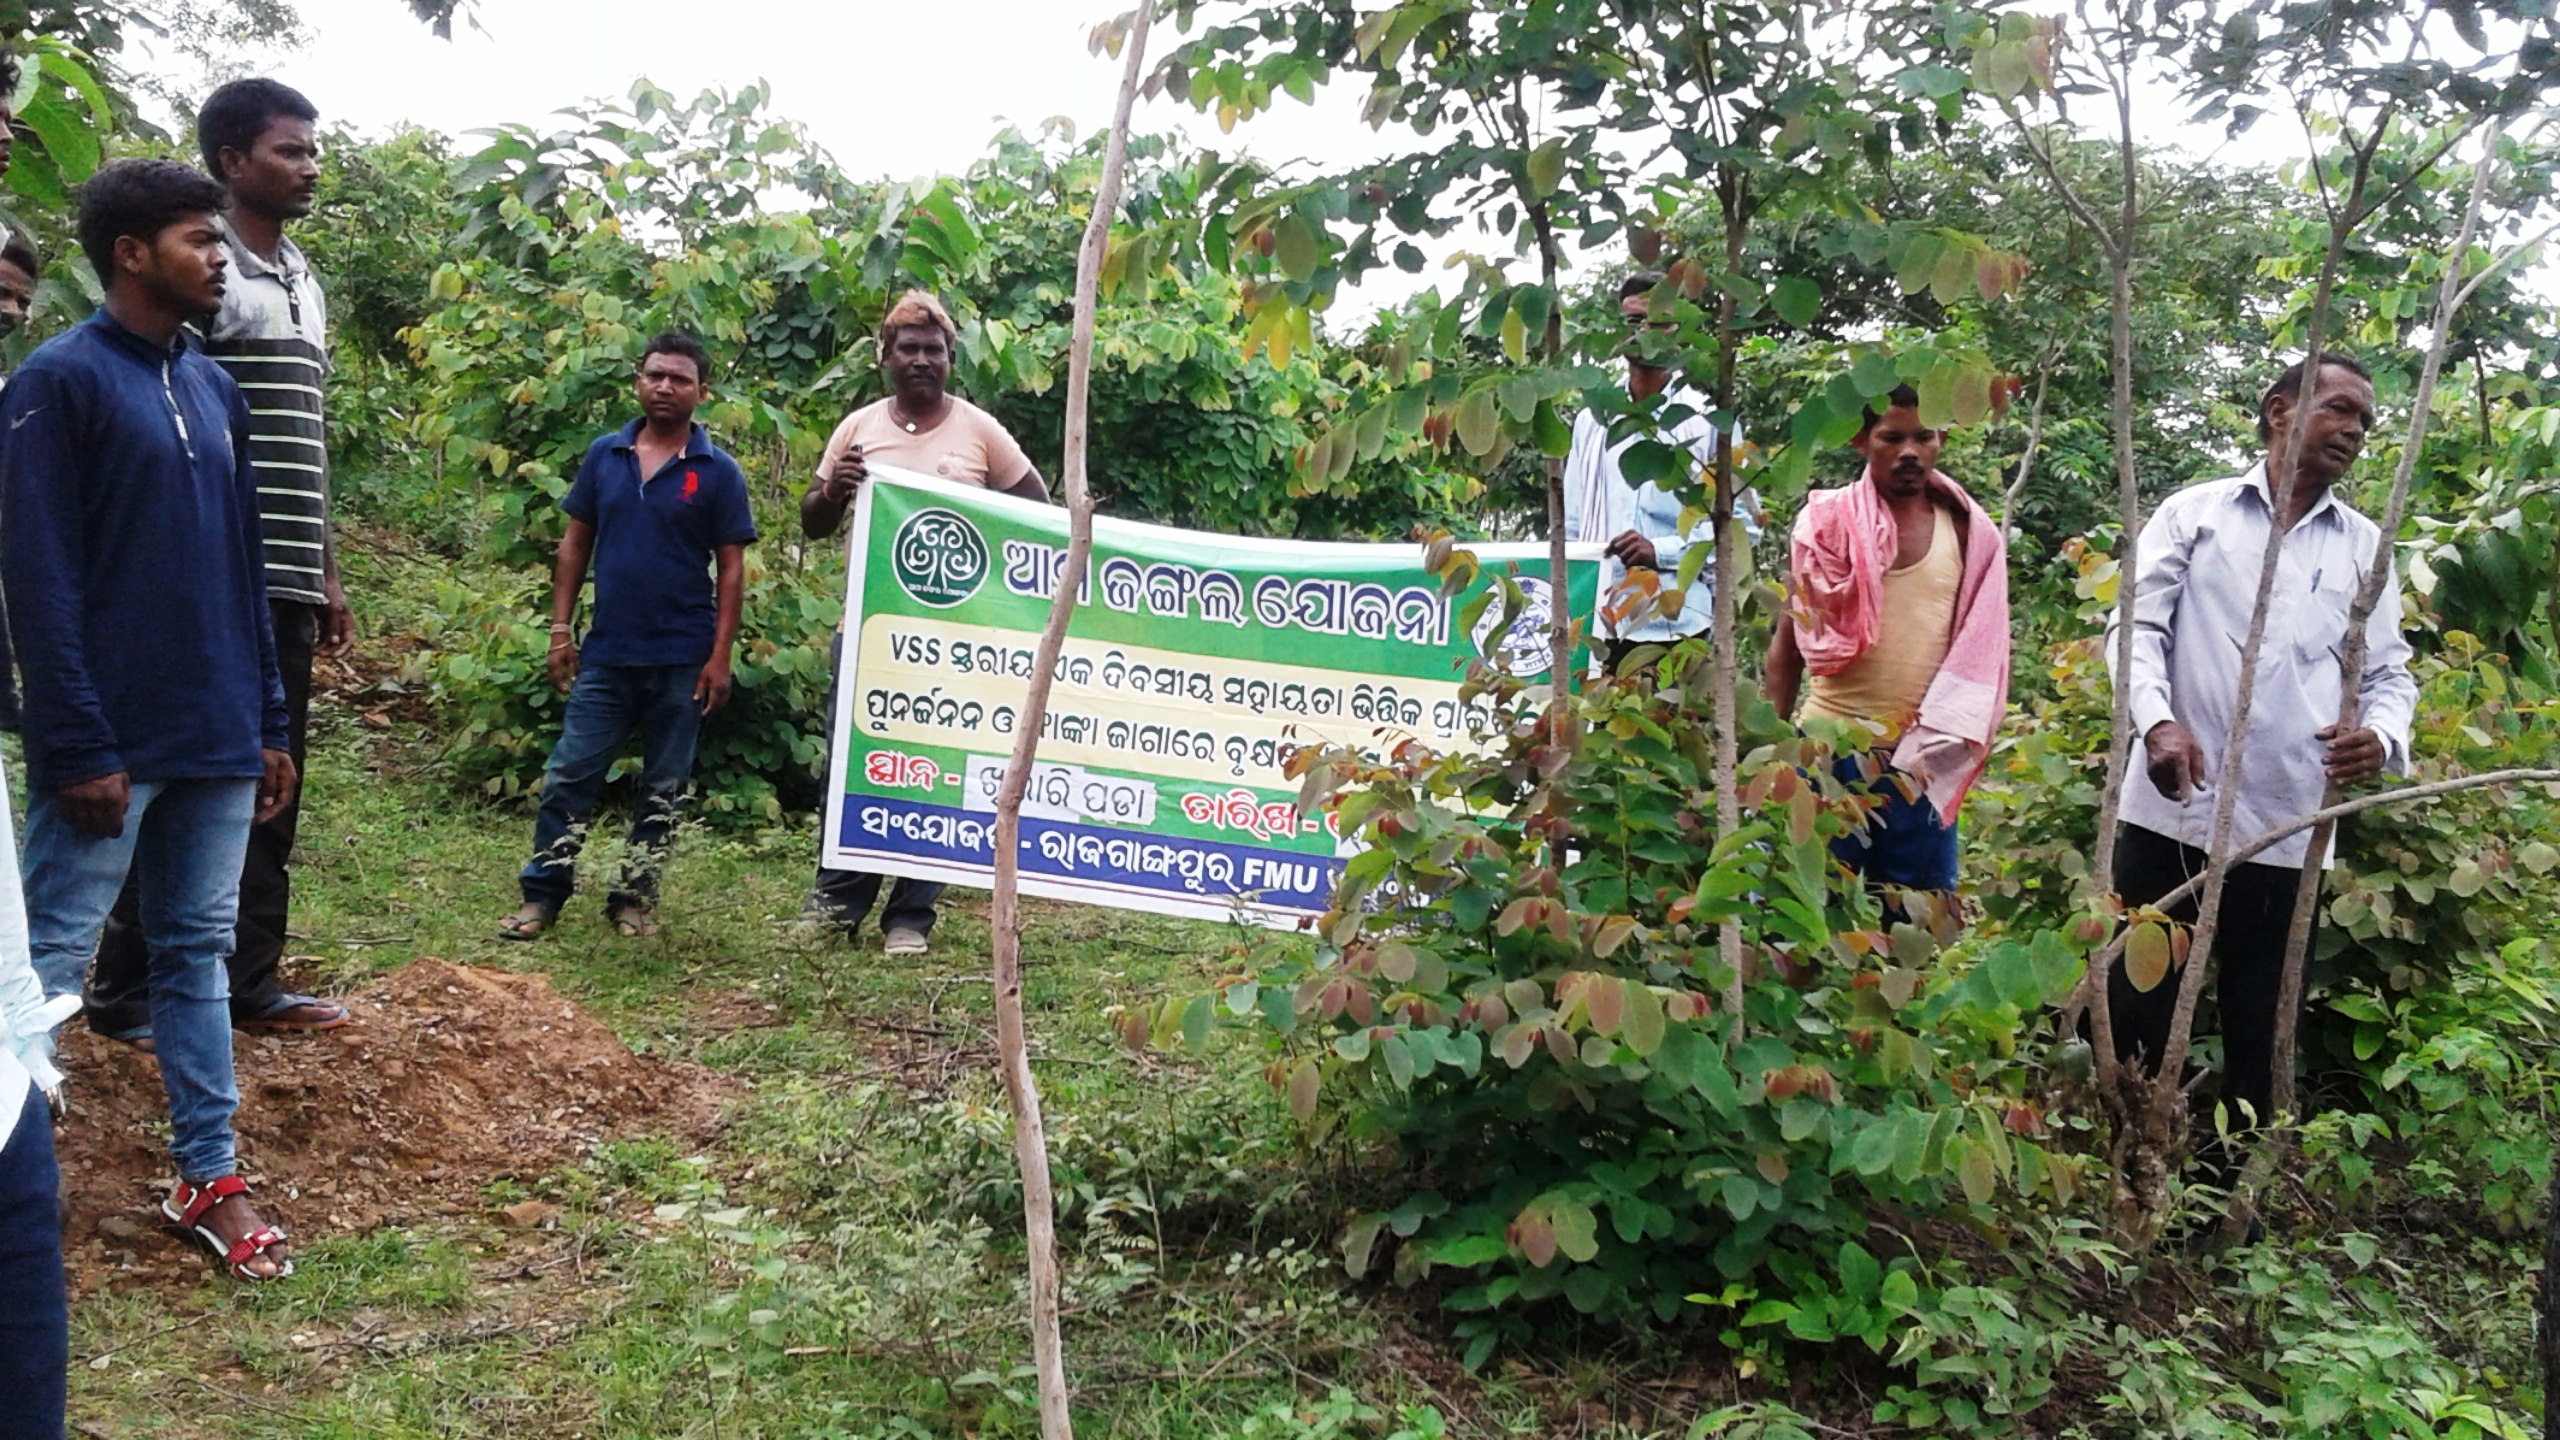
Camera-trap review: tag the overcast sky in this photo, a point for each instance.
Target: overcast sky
(893, 91)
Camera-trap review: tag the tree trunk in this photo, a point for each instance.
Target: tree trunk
(2157, 1135)
(1725, 663)
(1030, 1140)
(2351, 653)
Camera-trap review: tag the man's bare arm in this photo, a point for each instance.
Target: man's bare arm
(1786, 669)
(1029, 487)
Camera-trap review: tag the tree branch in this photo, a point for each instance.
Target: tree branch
(2353, 649)
(2405, 794)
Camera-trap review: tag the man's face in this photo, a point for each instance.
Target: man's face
(920, 363)
(1635, 312)
(2333, 434)
(671, 389)
(280, 176)
(17, 293)
(1901, 452)
(182, 267)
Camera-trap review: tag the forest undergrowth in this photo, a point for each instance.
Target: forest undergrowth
(842, 1260)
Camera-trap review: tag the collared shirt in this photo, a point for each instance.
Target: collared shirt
(130, 545)
(272, 335)
(2194, 590)
(1600, 505)
(656, 603)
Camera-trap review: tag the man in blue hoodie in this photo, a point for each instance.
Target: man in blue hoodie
(154, 712)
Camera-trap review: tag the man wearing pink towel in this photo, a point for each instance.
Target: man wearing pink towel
(1899, 608)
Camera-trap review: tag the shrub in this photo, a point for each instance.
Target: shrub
(1545, 1045)
(762, 752)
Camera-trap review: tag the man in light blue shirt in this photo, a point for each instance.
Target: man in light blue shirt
(1640, 523)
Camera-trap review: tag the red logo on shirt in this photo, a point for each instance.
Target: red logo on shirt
(692, 482)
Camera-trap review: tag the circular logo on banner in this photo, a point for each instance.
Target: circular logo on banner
(940, 558)
(1524, 649)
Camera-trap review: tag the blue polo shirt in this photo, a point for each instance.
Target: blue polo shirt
(655, 598)
(135, 563)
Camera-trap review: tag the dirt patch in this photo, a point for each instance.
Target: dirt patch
(382, 684)
(453, 1076)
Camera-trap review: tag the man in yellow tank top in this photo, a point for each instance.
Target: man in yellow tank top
(1887, 584)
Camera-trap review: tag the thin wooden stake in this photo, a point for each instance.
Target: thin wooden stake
(1030, 1138)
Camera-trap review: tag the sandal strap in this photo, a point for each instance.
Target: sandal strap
(252, 1245)
(195, 1201)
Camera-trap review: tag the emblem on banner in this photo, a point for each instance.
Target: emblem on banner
(939, 557)
(1523, 650)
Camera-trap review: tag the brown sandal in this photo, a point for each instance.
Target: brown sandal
(521, 926)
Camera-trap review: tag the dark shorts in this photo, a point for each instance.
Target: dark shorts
(1904, 844)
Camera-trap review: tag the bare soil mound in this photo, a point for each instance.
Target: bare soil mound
(451, 1077)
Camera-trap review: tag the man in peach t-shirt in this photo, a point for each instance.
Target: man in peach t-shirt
(918, 426)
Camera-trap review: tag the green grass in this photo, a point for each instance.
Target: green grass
(845, 1260)
(860, 1206)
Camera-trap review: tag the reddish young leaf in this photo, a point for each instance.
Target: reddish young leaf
(1604, 998)
(1303, 1083)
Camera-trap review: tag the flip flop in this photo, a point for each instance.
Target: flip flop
(632, 922)
(139, 1037)
(335, 1015)
(526, 927)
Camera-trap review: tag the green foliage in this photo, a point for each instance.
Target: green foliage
(756, 754)
(1548, 1048)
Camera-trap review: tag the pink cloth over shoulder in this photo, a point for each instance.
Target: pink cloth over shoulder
(1844, 541)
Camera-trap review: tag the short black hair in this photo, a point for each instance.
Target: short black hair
(139, 198)
(235, 115)
(1901, 397)
(1638, 282)
(16, 251)
(2290, 383)
(676, 342)
(9, 72)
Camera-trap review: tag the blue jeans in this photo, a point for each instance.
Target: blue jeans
(1904, 843)
(184, 840)
(607, 704)
(35, 1324)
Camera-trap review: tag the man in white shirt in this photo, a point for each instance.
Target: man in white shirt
(2194, 590)
(1640, 523)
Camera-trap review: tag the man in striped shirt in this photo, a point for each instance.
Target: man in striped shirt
(272, 335)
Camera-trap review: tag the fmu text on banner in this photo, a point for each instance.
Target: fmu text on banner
(1195, 664)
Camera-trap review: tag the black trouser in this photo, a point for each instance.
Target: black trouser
(844, 897)
(35, 1343)
(2248, 961)
(119, 990)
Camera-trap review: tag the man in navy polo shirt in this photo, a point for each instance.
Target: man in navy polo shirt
(660, 508)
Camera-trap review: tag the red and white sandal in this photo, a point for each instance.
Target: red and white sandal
(187, 1204)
